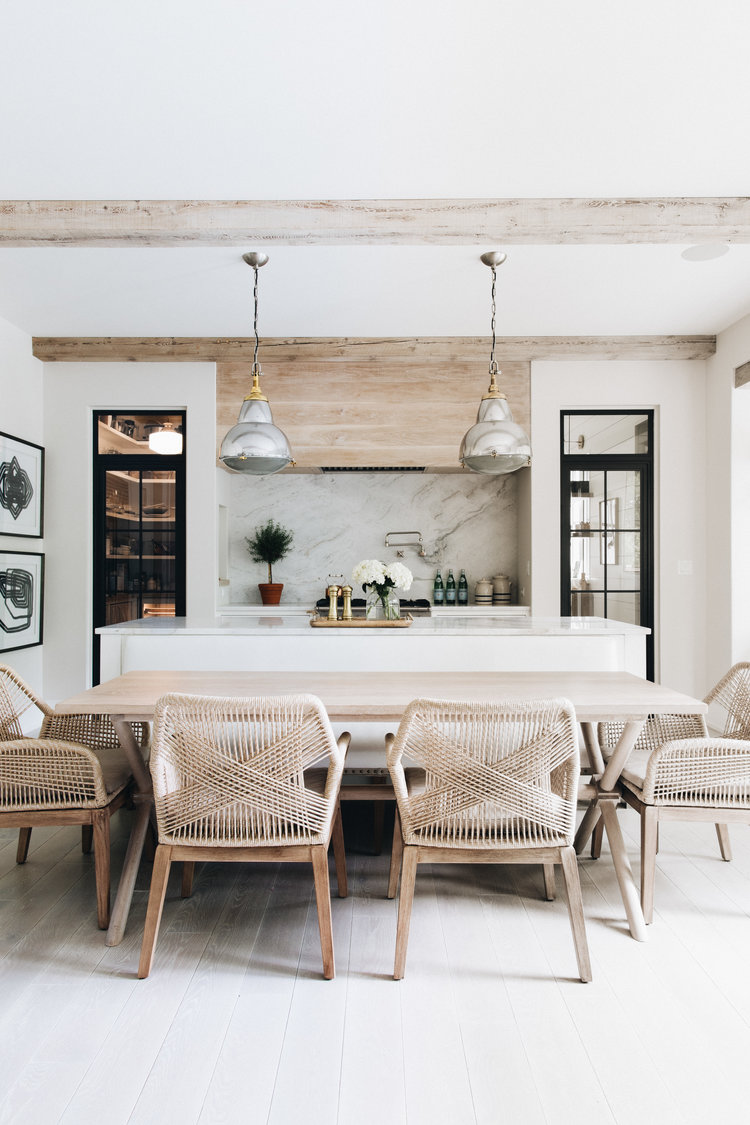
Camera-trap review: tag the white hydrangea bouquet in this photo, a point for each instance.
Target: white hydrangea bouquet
(378, 582)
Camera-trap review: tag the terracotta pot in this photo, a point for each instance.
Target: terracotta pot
(270, 592)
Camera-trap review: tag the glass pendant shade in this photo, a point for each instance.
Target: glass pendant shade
(166, 440)
(495, 444)
(255, 445)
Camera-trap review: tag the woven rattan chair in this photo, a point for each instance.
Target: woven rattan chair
(74, 772)
(500, 786)
(677, 771)
(235, 781)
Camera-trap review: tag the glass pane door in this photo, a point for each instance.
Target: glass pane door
(138, 521)
(139, 544)
(605, 544)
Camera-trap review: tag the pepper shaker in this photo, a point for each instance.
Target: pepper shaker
(333, 607)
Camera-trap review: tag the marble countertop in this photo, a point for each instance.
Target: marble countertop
(266, 622)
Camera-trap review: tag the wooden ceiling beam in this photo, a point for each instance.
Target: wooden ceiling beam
(406, 222)
(446, 349)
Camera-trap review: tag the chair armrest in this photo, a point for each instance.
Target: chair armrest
(699, 771)
(343, 741)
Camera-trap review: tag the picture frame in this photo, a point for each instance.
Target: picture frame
(21, 599)
(608, 540)
(21, 487)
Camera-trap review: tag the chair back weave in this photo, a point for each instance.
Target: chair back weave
(700, 772)
(497, 775)
(729, 703)
(38, 774)
(657, 730)
(230, 771)
(16, 697)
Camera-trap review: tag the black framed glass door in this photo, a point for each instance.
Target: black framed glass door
(139, 523)
(607, 518)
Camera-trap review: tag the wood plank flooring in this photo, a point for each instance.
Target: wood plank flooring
(490, 1024)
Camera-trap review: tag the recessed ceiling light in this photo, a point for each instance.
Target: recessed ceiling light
(705, 251)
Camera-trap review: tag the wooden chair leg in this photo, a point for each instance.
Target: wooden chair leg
(575, 910)
(188, 874)
(159, 879)
(378, 819)
(339, 853)
(100, 832)
(722, 831)
(323, 900)
(24, 837)
(87, 838)
(396, 851)
(649, 838)
(550, 890)
(596, 839)
(405, 900)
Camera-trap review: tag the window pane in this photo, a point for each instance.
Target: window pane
(624, 492)
(624, 607)
(621, 551)
(129, 433)
(586, 604)
(596, 434)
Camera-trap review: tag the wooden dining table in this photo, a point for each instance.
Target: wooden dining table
(381, 696)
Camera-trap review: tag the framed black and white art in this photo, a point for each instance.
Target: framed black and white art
(21, 599)
(21, 487)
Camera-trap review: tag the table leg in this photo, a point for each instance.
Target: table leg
(628, 888)
(591, 742)
(144, 804)
(130, 866)
(610, 773)
(586, 827)
(132, 750)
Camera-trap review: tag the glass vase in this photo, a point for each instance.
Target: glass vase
(382, 605)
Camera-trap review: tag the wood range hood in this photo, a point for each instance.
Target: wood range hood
(379, 405)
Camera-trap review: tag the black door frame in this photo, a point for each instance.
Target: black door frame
(135, 462)
(583, 462)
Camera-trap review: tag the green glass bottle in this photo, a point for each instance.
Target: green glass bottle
(450, 589)
(463, 589)
(438, 591)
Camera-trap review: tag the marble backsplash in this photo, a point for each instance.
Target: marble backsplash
(465, 520)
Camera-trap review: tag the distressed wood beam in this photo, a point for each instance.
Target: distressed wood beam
(414, 222)
(445, 349)
(742, 374)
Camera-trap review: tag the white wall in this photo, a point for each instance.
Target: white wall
(71, 392)
(22, 416)
(728, 474)
(676, 390)
(466, 520)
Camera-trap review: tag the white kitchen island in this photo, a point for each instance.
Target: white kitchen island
(285, 641)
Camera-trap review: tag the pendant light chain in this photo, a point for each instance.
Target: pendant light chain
(255, 369)
(493, 364)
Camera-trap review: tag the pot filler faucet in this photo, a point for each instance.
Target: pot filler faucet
(414, 540)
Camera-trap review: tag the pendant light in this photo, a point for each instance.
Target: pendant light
(255, 445)
(165, 440)
(495, 444)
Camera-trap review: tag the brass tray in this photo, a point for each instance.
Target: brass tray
(360, 623)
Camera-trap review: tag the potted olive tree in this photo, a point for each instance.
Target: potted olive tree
(269, 544)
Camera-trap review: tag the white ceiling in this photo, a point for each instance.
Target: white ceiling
(422, 99)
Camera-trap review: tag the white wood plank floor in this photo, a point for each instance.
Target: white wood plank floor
(490, 1024)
